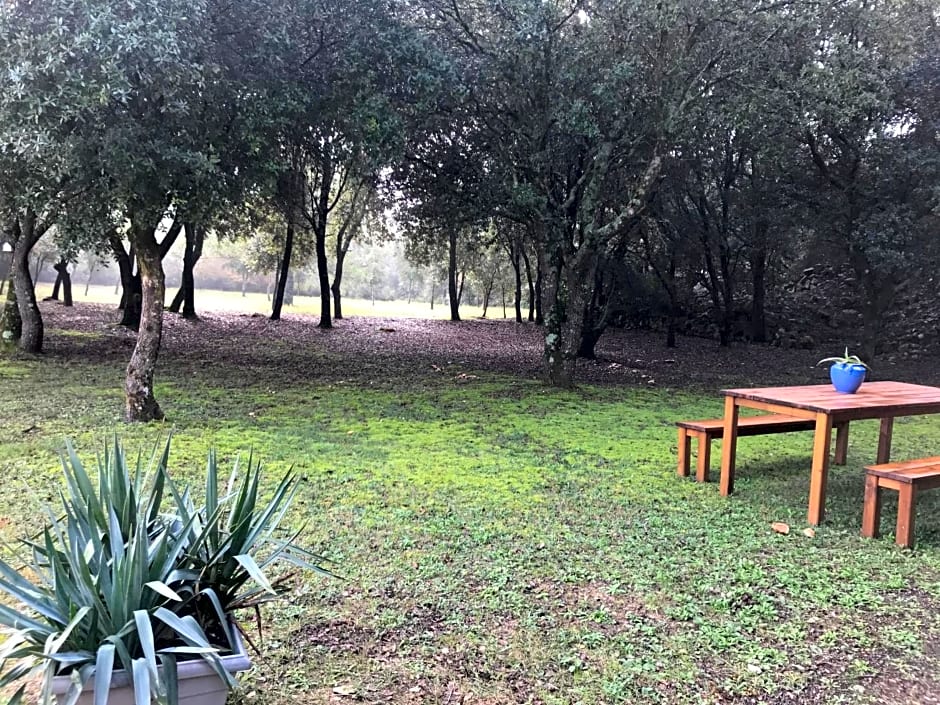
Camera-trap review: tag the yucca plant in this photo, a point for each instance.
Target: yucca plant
(132, 575)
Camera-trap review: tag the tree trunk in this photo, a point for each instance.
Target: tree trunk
(336, 286)
(433, 287)
(673, 304)
(759, 284)
(283, 269)
(569, 290)
(40, 264)
(589, 337)
(244, 284)
(130, 283)
(517, 274)
(66, 277)
(323, 275)
(531, 282)
(29, 233)
(537, 291)
(57, 284)
(186, 296)
(452, 274)
(140, 404)
(91, 273)
(11, 325)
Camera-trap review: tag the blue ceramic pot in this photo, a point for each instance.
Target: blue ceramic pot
(846, 377)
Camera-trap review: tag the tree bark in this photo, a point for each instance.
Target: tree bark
(671, 291)
(66, 284)
(569, 291)
(283, 269)
(40, 264)
(140, 404)
(30, 230)
(537, 291)
(11, 325)
(130, 283)
(759, 286)
(452, 274)
(186, 296)
(531, 282)
(63, 280)
(319, 218)
(57, 284)
(91, 273)
(517, 278)
(336, 286)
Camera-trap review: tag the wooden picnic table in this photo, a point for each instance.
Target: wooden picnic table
(826, 406)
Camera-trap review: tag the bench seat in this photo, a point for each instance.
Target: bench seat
(705, 431)
(907, 477)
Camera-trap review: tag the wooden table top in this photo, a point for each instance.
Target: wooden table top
(881, 398)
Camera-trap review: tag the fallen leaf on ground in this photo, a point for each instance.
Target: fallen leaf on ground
(811, 533)
(345, 690)
(780, 527)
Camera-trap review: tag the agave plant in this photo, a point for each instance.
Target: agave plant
(230, 541)
(845, 359)
(116, 581)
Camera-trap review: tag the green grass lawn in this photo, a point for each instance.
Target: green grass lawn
(501, 542)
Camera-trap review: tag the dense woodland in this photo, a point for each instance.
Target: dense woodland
(739, 169)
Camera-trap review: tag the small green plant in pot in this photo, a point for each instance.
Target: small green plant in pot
(847, 372)
(128, 595)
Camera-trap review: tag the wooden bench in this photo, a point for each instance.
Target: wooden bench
(908, 478)
(706, 431)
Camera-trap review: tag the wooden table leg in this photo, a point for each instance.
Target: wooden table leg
(820, 471)
(685, 446)
(729, 445)
(884, 440)
(842, 443)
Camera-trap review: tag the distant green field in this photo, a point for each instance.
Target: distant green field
(214, 300)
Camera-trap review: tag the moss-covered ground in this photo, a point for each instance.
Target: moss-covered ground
(502, 542)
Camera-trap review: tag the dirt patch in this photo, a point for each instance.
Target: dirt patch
(294, 348)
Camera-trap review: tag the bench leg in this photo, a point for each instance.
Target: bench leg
(704, 457)
(685, 447)
(842, 443)
(871, 513)
(907, 499)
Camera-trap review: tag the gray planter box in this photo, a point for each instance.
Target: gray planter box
(198, 683)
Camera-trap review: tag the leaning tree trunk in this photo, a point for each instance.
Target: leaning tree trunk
(32, 335)
(186, 296)
(140, 404)
(11, 325)
(283, 269)
(57, 284)
(91, 273)
(452, 274)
